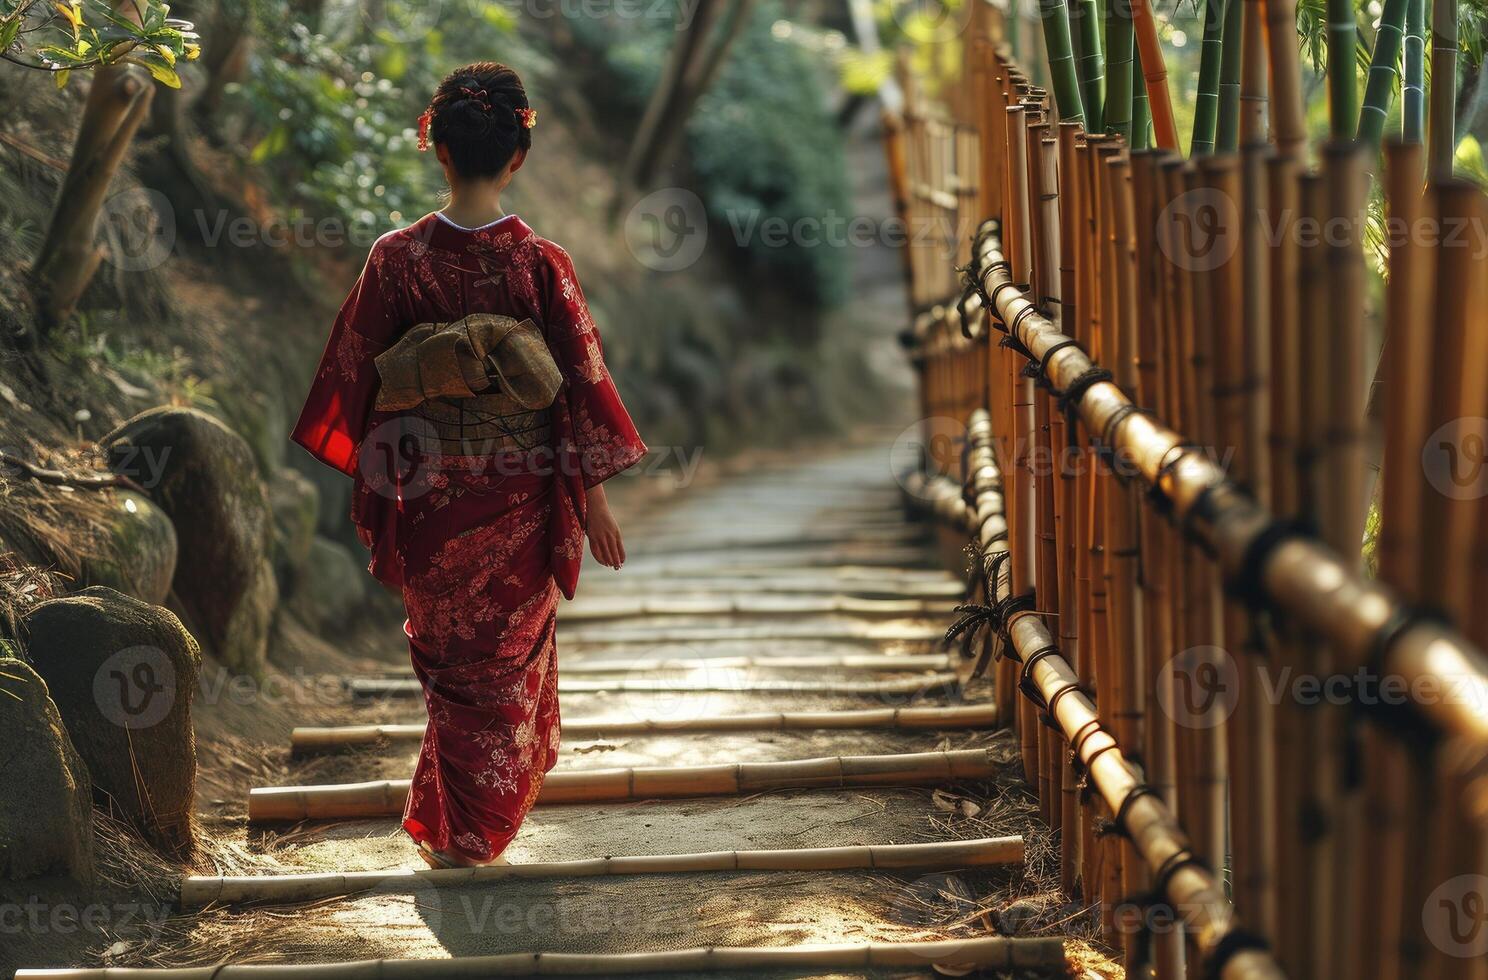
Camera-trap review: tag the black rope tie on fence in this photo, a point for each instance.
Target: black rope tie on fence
(1043, 364)
(1156, 897)
(1404, 719)
(1232, 943)
(961, 313)
(1068, 401)
(1105, 443)
(1076, 763)
(1247, 585)
(1180, 451)
(1029, 688)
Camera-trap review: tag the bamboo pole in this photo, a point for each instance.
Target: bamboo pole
(1120, 49)
(1063, 76)
(1085, 18)
(1155, 72)
(214, 890)
(387, 797)
(1254, 100)
(1343, 88)
(1379, 86)
(1231, 60)
(307, 740)
(1206, 101)
(1395, 801)
(1284, 57)
(1442, 136)
(1141, 130)
(1413, 82)
(989, 952)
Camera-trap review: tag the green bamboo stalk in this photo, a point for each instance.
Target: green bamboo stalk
(1085, 19)
(1232, 40)
(1343, 83)
(1442, 144)
(1379, 89)
(1206, 104)
(1413, 87)
(1120, 45)
(1066, 83)
(1141, 128)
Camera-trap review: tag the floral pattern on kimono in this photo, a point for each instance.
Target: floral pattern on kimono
(481, 547)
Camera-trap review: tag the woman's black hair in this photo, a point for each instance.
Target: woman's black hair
(474, 115)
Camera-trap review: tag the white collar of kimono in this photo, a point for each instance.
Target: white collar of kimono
(490, 224)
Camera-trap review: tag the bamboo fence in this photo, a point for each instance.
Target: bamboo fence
(309, 740)
(199, 892)
(384, 798)
(1264, 740)
(987, 952)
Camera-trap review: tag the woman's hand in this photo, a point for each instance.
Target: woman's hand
(604, 532)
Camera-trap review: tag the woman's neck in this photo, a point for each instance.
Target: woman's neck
(474, 205)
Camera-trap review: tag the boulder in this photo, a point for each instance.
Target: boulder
(122, 674)
(334, 585)
(204, 476)
(46, 820)
(296, 506)
(139, 558)
(259, 417)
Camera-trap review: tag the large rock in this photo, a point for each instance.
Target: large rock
(204, 476)
(123, 674)
(139, 558)
(334, 585)
(46, 814)
(296, 505)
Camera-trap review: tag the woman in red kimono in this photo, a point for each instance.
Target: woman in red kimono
(475, 508)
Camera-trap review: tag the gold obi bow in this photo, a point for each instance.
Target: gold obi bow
(477, 353)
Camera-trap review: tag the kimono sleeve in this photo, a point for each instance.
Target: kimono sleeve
(338, 408)
(605, 438)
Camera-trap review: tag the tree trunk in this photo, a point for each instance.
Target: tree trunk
(117, 104)
(661, 110)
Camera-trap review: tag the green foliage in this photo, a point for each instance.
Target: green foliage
(763, 146)
(62, 37)
(331, 113)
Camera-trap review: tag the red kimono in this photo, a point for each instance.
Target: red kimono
(480, 542)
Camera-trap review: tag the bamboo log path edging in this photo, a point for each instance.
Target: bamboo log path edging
(1261, 558)
(989, 952)
(202, 891)
(725, 634)
(305, 740)
(1147, 822)
(880, 662)
(373, 688)
(606, 609)
(385, 798)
